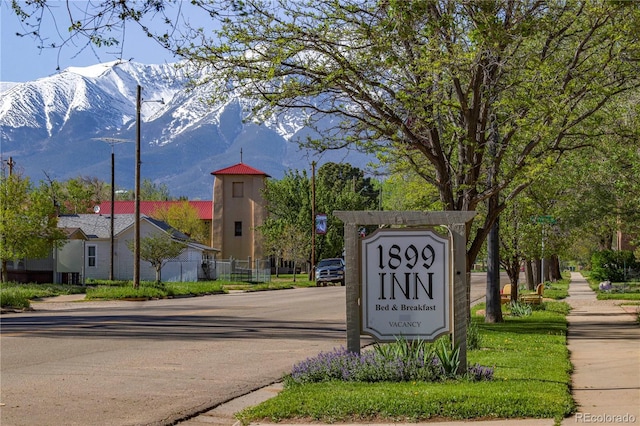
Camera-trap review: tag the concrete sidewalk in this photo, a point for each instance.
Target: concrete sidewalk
(604, 341)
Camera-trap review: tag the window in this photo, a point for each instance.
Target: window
(91, 256)
(238, 189)
(238, 229)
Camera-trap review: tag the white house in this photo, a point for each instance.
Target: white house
(90, 257)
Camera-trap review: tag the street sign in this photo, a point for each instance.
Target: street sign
(405, 284)
(543, 219)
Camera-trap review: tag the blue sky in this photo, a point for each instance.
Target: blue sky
(21, 59)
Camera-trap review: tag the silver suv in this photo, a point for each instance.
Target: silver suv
(330, 271)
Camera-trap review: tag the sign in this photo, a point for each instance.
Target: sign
(406, 284)
(543, 219)
(321, 224)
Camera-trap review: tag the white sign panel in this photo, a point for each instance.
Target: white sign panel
(405, 284)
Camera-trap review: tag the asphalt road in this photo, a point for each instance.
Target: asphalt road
(155, 362)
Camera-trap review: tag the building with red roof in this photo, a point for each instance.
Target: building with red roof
(238, 210)
(239, 169)
(233, 215)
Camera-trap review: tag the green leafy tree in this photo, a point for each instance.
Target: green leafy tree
(337, 187)
(28, 222)
(289, 207)
(271, 230)
(77, 195)
(296, 245)
(404, 190)
(287, 231)
(601, 196)
(340, 187)
(184, 217)
(158, 249)
(477, 97)
(150, 191)
(461, 91)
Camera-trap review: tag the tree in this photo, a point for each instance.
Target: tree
(149, 191)
(289, 207)
(157, 250)
(340, 187)
(405, 190)
(28, 222)
(271, 230)
(184, 217)
(77, 195)
(296, 245)
(477, 97)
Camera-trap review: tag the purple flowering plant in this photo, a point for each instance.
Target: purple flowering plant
(394, 362)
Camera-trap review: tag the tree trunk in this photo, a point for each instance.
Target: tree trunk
(546, 272)
(528, 271)
(556, 273)
(4, 275)
(537, 273)
(493, 312)
(513, 270)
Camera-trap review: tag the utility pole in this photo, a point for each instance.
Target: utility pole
(313, 218)
(10, 163)
(136, 224)
(136, 215)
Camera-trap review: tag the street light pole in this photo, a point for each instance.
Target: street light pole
(112, 142)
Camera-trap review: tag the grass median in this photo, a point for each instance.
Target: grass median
(532, 379)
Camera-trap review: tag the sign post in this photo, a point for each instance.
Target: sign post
(456, 223)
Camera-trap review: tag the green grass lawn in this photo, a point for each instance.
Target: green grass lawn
(629, 290)
(17, 295)
(532, 378)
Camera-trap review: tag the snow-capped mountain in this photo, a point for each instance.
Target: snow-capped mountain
(63, 126)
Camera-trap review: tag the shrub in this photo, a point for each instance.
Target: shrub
(611, 265)
(14, 298)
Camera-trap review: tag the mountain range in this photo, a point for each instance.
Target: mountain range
(66, 125)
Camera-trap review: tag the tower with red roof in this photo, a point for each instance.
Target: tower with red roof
(238, 209)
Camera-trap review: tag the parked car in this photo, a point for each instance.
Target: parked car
(330, 271)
